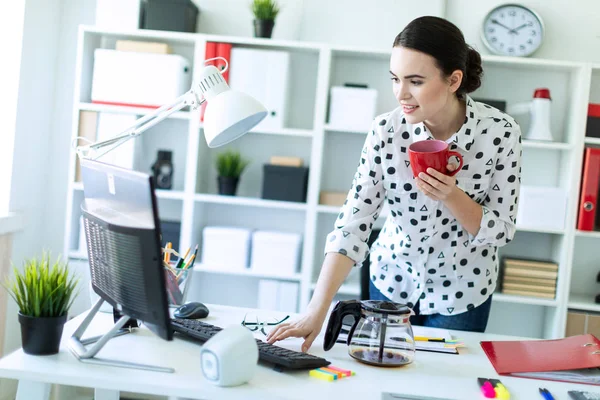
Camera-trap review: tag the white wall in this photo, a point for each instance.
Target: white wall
(572, 27)
(32, 163)
(372, 23)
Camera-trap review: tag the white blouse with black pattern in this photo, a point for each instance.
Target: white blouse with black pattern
(423, 253)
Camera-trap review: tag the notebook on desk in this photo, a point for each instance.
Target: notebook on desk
(573, 359)
(438, 347)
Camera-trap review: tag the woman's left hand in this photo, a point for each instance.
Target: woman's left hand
(437, 185)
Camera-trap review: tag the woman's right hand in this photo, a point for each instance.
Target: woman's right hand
(307, 326)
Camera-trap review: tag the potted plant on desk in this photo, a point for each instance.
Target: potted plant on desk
(230, 166)
(44, 292)
(265, 12)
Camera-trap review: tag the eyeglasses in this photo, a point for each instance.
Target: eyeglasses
(253, 323)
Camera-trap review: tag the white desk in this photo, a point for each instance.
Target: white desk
(432, 374)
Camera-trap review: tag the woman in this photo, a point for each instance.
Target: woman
(437, 251)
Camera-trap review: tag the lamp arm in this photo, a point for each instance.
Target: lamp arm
(95, 150)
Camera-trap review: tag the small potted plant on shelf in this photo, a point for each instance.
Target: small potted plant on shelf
(44, 292)
(230, 165)
(265, 12)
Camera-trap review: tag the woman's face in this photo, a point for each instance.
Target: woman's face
(418, 84)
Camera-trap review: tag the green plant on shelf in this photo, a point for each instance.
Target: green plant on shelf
(231, 164)
(265, 9)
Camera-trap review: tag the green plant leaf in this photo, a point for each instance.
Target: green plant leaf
(265, 9)
(42, 288)
(231, 164)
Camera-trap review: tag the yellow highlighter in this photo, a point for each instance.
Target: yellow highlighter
(324, 375)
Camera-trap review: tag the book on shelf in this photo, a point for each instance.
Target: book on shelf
(528, 293)
(522, 280)
(514, 271)
(533, 288)
(531, 264)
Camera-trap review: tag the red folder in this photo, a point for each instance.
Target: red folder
(209, 52)
(590, 183)
(564, 360)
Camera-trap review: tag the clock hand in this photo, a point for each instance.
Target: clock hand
(514, 30)
(495, 21)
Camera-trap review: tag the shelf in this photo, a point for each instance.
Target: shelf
(588, 234)
(328, 209)
(592, 140)
(521, 228)
(509, 298)
(247, 272)
(249, 201)
(583, 302)
(186, 115)
(347, 289)
(169, 194)
(285, 132)
(532, 144)
(331, 128)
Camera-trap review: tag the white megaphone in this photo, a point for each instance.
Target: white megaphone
(539, 109)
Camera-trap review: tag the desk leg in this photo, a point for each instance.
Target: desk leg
(105, 394)
(30, 390)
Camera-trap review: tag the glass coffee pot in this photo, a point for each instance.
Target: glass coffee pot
(381, 334)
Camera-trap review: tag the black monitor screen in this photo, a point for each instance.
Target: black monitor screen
(122, 232)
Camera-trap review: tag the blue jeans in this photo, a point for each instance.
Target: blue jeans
(474, 320)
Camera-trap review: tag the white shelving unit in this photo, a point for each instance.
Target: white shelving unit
(332, 155)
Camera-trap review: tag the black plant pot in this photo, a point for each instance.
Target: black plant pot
(41, 335)
(263, 28)
(227, 185)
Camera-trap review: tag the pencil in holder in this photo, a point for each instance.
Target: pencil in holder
(177, 282)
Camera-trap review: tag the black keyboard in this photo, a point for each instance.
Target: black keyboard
(282, 358)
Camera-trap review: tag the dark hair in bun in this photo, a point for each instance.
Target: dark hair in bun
(442, 40)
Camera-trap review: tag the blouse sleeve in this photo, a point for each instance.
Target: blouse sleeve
(498, 223)
(362, 206)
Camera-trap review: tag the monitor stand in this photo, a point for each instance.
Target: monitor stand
(83, 354)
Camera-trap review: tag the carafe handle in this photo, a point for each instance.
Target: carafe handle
(334, 326)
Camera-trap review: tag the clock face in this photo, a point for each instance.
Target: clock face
(512, 30)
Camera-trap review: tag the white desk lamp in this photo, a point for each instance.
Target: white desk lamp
(229, 114)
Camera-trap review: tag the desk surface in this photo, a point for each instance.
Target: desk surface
(431, 374)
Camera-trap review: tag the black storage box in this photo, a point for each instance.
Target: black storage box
(284, 183)
(169, 15)
(593, 121)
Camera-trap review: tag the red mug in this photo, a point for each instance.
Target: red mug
(432, 154)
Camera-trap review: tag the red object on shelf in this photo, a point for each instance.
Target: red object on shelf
(588, 201)
(542, 93)
(224, 50)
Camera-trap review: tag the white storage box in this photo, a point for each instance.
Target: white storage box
(225, 247)
(138, 79)
(275, 253)
(352, 108)
(542, 208)
(263, 74)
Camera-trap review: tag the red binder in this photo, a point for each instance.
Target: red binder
(209, 52)
(588, 201)
(560, 360)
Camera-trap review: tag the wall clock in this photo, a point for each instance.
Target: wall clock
(512, 30)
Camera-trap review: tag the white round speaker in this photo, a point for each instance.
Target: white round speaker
(230, 358)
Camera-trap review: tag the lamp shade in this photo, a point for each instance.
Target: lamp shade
(229, 115)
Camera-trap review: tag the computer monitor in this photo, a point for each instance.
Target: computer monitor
(120, 219)
(122, 229)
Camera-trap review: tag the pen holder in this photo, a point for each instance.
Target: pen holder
(176, 282)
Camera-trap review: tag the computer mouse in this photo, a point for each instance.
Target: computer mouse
(191, 310)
